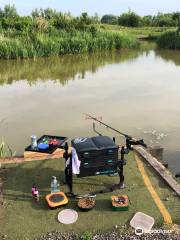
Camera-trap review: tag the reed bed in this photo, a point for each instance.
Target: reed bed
(169, 40)
(43, 45)
(5, 150)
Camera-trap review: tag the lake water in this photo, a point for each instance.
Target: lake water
(135, 91)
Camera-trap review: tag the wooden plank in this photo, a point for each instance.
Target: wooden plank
(28, 154)
(34, 156)
(164, 173)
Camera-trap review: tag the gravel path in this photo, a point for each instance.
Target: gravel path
(111, 236)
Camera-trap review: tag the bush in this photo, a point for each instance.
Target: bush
(129, 19)
(169, 40)
(109, 19)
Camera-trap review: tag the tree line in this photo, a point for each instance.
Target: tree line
(131, 19)
(45, 20)
(49, 20)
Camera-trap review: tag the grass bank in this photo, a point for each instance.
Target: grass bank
(24, 219)
(169, 40)
(44, 45)
(149, 33)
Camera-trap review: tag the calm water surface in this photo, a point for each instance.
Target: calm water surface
(137, 92)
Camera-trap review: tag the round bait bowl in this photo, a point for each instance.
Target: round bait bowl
(86, 204)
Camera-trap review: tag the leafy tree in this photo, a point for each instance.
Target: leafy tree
(85, 19)
(146, 21)
(109, 19)
(35, 13)
(23, 24)
(49, 13)
(9, 11)
(129, 19)
(163, 20)
(176, 17)
(60, 21)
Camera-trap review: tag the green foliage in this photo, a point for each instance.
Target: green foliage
(9, 19)
(109, 19)
(146, 21)
(86, 236)
(93, 30)
(5, 150)
(8, 12)
(129, 19)
(163, 20)
(17, 23)
(48, 32)
(176, 17)
(85, 19)
(43, 45)
(169, 40)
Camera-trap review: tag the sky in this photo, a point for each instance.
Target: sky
(76, 7)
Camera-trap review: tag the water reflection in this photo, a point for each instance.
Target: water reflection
(169, 56)
(60, 69)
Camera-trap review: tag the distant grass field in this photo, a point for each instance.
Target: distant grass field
(23, 219)
(149, 32)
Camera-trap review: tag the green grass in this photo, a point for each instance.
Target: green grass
(24, 219)
(5, 150)
(43, 45)
(169, 40)
(148, 32)
(164, 191)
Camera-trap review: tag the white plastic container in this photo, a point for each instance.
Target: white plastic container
(33, 142)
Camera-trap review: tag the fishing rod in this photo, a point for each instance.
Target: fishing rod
(129, 140)
(108, 126)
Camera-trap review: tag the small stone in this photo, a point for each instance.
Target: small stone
(116, 226)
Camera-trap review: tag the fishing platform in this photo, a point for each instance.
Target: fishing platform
(138, 146)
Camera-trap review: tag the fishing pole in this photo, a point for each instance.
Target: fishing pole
(108, 126)
(129, 140)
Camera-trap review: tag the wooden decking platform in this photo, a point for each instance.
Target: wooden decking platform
(163, 172)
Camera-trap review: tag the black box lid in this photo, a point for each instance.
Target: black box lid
(104, 142)
(83, 144)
